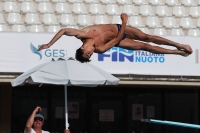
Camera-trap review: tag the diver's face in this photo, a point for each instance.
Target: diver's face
(87, 51)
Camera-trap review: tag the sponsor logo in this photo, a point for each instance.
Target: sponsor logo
(116, 54)
(35, 50)
(48, 53)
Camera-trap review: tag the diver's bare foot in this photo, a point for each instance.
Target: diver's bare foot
(185, 48)
(183, 53)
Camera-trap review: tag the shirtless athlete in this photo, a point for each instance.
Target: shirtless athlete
(100, 38)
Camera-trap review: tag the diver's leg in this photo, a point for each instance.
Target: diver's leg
(136, 34)
(136, 45)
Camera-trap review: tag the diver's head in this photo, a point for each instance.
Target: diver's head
(81, 56)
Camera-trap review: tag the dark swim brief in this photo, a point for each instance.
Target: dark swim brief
(124, 36)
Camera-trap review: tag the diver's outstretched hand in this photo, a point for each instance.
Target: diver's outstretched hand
(124, 17)
(43, 46)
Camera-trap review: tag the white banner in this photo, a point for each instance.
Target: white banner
(18, 53)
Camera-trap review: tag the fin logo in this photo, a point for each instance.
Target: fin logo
(48, 53)
(35, 50)
(122, 55)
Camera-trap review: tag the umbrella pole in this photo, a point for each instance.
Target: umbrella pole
(66, 109)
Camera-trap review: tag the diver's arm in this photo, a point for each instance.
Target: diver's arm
(66, 31)
(116, 40)
(124, 19)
